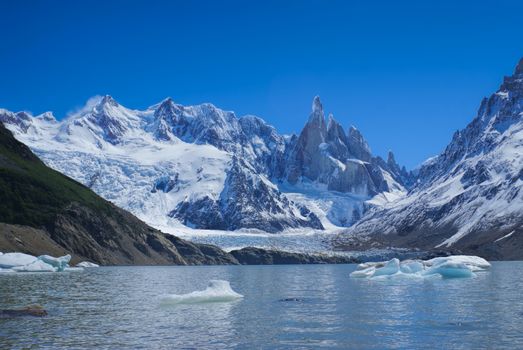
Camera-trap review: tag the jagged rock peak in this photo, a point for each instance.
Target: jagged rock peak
(316, 104)
(390, 158)
(108, 100)
(166, 105)
(358, 145)
(331, 121)
(47, 116)
(317, 115)
(519, 67)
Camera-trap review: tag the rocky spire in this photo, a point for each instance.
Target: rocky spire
(166, 107)
(358, 147)
(108, 100)
(390, 158)
(519, 67)
(317, 116)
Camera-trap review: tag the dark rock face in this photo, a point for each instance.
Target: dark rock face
(247, 201)
(165, 184)
(112, 128)
(258, 256)
(358, 147)
(324, 153)
(21, 119)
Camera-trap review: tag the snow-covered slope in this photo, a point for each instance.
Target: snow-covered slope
(470, 196)
(204, 168)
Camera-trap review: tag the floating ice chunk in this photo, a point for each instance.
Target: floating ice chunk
(216, 291)
(446, 267)
(411, 266)
(87, 264)
(475, 263)
(363, 272)
(9, 260)
(35, 266)
(450, 269)
(59, 263)
(390, 268)
(20, 262)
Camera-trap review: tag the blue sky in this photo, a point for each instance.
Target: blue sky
(406, 73)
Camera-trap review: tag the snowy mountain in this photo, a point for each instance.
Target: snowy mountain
(201, 167)
(469, 197)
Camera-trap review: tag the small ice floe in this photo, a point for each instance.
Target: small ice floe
(87, 264)
(20, 262)
(455, 266)
(217, 291)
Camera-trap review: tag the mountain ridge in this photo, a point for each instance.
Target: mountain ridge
(470, 196)
(124, 155)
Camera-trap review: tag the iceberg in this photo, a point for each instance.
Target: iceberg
(216, 291)
(59, 263)
(9, 260)
(20, 262)
(455, 266)
(87, 264)
(35, 266)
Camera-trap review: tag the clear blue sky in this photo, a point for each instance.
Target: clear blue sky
(406, 73)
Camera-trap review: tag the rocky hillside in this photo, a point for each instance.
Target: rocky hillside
(45, 212)
(468, 198)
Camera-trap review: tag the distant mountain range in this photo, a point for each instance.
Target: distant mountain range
(202, 167)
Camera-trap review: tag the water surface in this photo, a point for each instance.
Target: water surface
(120, 307)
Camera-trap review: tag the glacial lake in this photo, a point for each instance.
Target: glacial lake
(121, 308)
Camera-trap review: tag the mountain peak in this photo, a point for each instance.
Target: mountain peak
(166, 104)
(317, 115)
(330, 119)
(391, 161)
(316, 104)
(47, 116)
(519, 67)
(167, 100)
(108, 100)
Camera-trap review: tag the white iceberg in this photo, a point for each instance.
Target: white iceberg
(475, 263)
(20, 262)
(87, 264)
(9, 260)
(216, 291)
(455, 266)
(35, 266)
(59, 263)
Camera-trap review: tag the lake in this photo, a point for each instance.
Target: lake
(121, 307)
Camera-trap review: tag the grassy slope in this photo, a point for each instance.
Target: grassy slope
(31, 193)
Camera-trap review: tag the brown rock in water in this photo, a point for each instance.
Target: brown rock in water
(31, 310)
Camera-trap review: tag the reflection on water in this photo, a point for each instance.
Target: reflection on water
(120, 307)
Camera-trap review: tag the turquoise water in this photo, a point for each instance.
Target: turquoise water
(121, 308)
